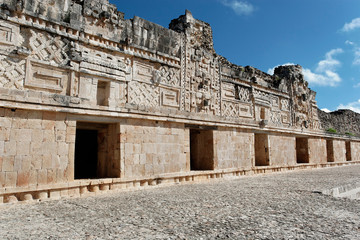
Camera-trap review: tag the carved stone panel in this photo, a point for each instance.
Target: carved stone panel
(236, 110)
(143, 94)
(9, 33)
(143, 72)
(44, 77)
(48, 48)
(12, 72)
(170, 98)
(103, 63)
(261, 97)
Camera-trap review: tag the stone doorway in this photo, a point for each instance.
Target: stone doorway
(330, 150)
(302, 150)
(261, 150)
(348, 151)
(201, 149)
(86, 154)
(95, 151)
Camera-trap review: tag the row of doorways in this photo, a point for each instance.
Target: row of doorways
(262, 157)
(89, 160)
(88, 163)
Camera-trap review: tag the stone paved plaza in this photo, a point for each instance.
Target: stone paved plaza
(275, 206)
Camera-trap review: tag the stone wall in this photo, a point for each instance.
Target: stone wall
(37, 148)
(149, 148)
(282, 150)
(339, 150)
(233, 149)
(355, 151)
(317, 150)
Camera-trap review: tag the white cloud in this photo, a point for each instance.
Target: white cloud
(325, 73)
(325, 110)
(239, 7)
(355, 23)
(271, 70)
(354, 106)
(349, 42)
(329, 63)
(327, 78)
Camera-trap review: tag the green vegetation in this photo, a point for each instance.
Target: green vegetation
(349, 133)
(331, 130)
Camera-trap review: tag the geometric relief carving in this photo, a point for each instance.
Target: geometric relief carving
(143, 94)
(230, 109)
(167, 75)
(228, 90)
(245, 110)
(285, 104)
(46, 77)
(276, 118)
(12, 72)
(8, 33)
(47, 48)
(261, 97)
(235, 110)
(103, 62)
(143, 72)
(170, 98)
(242, 94)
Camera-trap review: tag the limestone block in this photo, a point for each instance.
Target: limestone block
(55, 194)
(23, 178)
(22, 148)
(42, 177)
(10, 148)
(10, 179)
(37, 134)
(8, 163)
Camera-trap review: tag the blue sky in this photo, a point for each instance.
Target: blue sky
(323, 36)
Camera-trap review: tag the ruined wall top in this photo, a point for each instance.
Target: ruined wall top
(84, 54)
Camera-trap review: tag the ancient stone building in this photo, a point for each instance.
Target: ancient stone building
(90, 101)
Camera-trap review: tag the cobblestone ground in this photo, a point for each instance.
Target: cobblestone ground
(277, 206)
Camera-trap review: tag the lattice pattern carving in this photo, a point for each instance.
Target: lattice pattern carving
(45, 47)
(169, 76)
(230, 109)
(143, 94)
(243, 94)
(12, 72)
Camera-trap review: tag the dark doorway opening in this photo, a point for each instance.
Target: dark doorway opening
(201, 149)
(348, 151)
(86, 154)
(261, 150)
(302, 150)
(330, 150)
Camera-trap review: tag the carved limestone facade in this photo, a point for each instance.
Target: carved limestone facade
(92, 101)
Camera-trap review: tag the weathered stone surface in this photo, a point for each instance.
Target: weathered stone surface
(86, 93)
